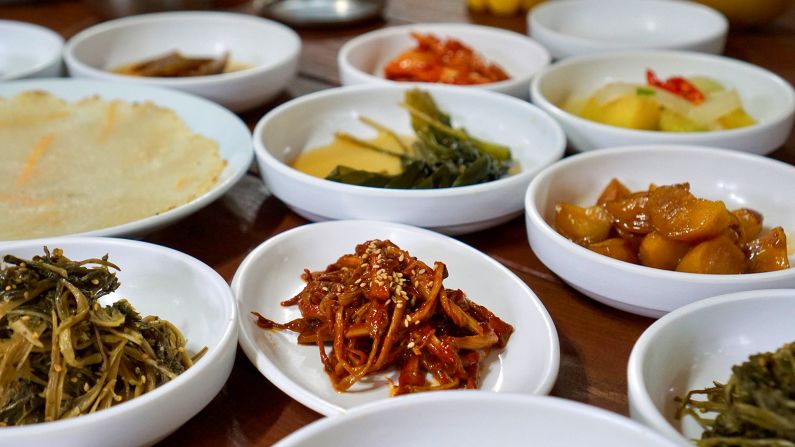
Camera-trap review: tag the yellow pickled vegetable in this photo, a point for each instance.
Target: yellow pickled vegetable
(631, 111)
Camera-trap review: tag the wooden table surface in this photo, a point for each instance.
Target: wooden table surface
(595, 340)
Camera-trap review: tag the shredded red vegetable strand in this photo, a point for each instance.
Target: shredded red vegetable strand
(677, 85)
(381, 308)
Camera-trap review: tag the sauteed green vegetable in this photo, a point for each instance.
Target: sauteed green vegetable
(441, 157)
(63, 354)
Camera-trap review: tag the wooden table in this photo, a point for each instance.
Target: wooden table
(595, 340)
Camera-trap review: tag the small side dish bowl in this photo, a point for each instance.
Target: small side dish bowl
(574, 27)
(768, 98)
(468, 419)
(28, 51)
(272, 273)
(267, 51)
(362, 59)
(156, 281)
(310, 121)
(698, 344)
(739, 180)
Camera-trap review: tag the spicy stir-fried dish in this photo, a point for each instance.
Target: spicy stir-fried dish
(380, 308)
(63, 354)
(445, 61)
(753, 408)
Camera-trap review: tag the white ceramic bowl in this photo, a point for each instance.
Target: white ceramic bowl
(574, 27)
(309, 121)
(157, 281)
(766, 96)
(740, 180)
(202, 116)
(28, 51)
(697, 344)
(271, 273)
(476, 419)
(271, 48)
(362, 59)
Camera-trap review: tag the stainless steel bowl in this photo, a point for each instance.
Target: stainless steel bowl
(320, 12)
(109, 9)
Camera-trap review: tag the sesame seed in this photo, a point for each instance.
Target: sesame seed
(410, 345)
(25, 317)
(117, 398)
(358, 281)
(399, 305)
(58, 368)
(73, 380)
(95, 281)
(421, 271)
(8, 288)
(400, 259)
(86, 387)
(416, 322)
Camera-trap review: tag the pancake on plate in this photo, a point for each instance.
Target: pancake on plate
(75, 167)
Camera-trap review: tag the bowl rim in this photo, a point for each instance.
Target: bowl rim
(536, 220)
(459, 397)
(637, 391)
(536, 20)
(267, 157)
(227, 340)
(782, 116)
(317, 403)
(437, 28)
(45, 34)
(80, 38)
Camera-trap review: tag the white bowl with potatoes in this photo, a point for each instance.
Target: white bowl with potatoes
(610, 99)
(656, 247)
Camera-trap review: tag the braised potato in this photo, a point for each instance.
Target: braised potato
(716, 256)
(669, 228)
(769, 252)
(582, 225)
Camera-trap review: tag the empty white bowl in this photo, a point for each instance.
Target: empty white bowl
(362, 59)
(270, 48)
(765, 96)
(28, 51)
(697, 344)
(310, 121)
(466, 419)
(574, 27)
(156, 281)
(740, 180)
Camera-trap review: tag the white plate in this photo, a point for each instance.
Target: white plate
(202, 116)
(271, 273)
(462, 419)
(157, 281)
(692, 346)
(28, 51)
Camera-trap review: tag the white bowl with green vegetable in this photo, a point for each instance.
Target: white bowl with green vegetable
(607, 100)
(105, 354)
(500, 144)
(706, 342)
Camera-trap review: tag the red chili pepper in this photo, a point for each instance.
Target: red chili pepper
(676, 85)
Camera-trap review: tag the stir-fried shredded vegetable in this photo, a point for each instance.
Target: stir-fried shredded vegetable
(382, 308)
(63, 354)
(756, 407)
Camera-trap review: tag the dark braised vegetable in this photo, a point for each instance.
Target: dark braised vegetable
(381, 308)
(175, 65)
(441, 157)
(756, 407)
(63, 354)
